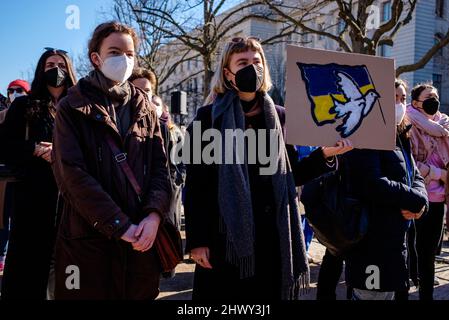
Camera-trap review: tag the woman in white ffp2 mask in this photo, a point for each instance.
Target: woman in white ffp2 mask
(117, 68)
(108, 145)
(400, 107)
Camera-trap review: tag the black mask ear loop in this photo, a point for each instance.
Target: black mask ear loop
(233, 86)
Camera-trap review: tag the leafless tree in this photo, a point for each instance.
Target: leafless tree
(354, 21)
(200, 25)
(82, 65)
(155, 46)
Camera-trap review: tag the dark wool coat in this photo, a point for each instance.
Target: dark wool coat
(33, 221)
(99, 202)
(379, 178)
(202, 222)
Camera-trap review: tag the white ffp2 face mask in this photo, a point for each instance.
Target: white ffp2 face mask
(158, 111)
(13, 96)
(400, 112)
(118, 68)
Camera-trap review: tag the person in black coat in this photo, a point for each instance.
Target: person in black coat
(177, 172)
(390, 185)
(242, 225)
(27, 140)
(172, 137)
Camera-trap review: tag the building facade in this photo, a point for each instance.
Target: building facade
(429, 23)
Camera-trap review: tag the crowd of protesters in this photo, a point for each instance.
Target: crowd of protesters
(79, 148)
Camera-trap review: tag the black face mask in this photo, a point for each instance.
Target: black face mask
(431, 106)
(55, 77)
(249, 78)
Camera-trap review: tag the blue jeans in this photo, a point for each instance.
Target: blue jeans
(308, 232)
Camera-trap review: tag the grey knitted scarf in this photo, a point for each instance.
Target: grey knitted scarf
(236, 208)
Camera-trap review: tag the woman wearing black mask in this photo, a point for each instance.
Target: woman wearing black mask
(242, 223)
(28, 130)
(430, 145)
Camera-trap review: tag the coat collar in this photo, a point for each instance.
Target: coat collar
(85, 101)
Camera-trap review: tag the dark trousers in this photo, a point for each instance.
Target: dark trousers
(31, 243)
(328, 277)
(426, 239)
(7, 208)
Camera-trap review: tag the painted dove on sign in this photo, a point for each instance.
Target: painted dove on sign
(348, 94)
(333, 95)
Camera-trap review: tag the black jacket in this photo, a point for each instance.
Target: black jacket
(379, 179)
(33, 220)
(177, 171)
(202, 220)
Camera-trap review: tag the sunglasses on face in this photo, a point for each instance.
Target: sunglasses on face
(18, 90)
(241, 39)
(55, 50)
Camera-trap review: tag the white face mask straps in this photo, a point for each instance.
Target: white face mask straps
(117, 68)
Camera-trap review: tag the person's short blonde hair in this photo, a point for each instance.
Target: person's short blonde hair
(142, 73)
(219, 82)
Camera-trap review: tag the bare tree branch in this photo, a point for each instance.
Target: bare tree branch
(396, 10)
(355, 27)
(426, 58)
(152, 39)
(202, 38)
(389, 39)
(190, 76)
(290, 16)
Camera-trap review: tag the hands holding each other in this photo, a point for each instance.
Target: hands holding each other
(43, 150)
(142, 236)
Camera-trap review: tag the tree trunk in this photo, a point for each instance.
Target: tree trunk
(208, 74)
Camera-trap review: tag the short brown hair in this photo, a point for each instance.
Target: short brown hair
(104, 30)
(418, 89)
(144, 73)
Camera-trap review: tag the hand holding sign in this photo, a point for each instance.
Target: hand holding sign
(341, 147)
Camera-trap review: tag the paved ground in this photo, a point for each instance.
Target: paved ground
(180, 287)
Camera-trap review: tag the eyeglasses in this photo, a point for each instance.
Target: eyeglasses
(241, 39)
(18, 90)
(55, 50)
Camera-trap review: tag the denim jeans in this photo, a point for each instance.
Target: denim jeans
(308, 232)
(359, 294)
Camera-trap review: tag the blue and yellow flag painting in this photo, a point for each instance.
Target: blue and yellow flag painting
(323, 90)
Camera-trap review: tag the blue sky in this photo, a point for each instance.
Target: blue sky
(27, 26)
